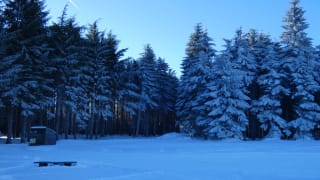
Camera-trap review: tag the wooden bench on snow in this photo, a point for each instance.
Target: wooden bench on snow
(52, 163)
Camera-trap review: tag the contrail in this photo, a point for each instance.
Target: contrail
(74, 4)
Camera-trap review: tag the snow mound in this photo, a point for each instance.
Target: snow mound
(173, 136)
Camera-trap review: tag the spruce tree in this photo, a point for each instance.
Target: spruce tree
(2, 40)
(128, 93)
(195, 68)
(268, 106)
(148, 89)
(112, 57)
(227, 99)
(65, 40)
(25, 59)
(166, 85)
(299, 64)
(94, 73)
(257, 51)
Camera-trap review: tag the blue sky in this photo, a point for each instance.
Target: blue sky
(167, 24)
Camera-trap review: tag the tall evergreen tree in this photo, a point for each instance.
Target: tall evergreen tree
(195, 68)
(299, 64)
(227, 99)
(113, 56)
(257, 51)
(148, 88)
(65, 40)
(268, 106)
(245, 61)
(128, 94)
(97, 80)
(167, 85)
(2, 40)
(26, 91)
(173, 94)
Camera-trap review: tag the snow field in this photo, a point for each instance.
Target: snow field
(171, 156)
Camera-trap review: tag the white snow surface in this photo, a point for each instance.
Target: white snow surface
(172, 156)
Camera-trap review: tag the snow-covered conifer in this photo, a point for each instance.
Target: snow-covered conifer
(299, 62)
(167, 87)
(148, 88)
(128, 92)
(228, 101)
(65, 39)
(268, 107)
(195, 69)
(25, 59)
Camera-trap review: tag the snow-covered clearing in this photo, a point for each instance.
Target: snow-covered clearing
(171, 156)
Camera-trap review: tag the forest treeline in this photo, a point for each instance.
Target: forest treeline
(255, 87)
(75, 80)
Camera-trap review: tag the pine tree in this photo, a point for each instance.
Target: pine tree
(167, 85)
(26, 91)
(268, 106)
(128, 94)
(172, 99)
(113, 56)
(2, 40)
(228, 101)
(65, 40)
(148, 89)
(257, 51)
(299, 63)
(246, 62)
(97, 80)
(195, 69)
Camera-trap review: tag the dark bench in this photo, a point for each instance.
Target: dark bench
(51, 163)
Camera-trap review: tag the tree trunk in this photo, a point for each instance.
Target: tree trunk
(90, 127)
(97, 125)
(156, 123)
(138, 122)
(147, 121)
(73, 125)
(102, 127)
(10, 125)
(23, 129)
(66, 122)
(91, 119)
(58, 115)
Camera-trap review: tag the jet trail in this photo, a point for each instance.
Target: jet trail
(74, 4)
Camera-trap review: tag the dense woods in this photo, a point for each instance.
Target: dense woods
(75, 80)
(254, 87)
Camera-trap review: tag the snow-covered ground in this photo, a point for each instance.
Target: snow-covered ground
(171, 156)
